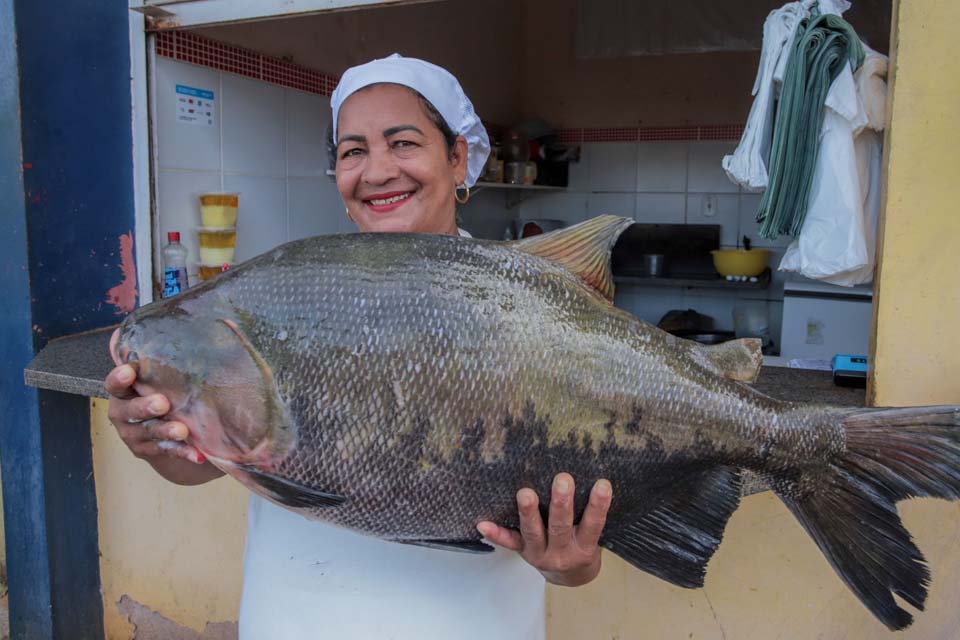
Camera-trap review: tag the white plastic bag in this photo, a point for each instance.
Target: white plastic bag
(837, 242)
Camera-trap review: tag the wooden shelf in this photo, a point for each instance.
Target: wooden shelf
(708, 281)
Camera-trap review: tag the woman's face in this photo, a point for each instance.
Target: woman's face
(394, 171)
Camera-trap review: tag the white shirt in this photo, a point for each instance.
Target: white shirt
(304, 580)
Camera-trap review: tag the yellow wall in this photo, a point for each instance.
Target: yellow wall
(177, 550)
(917, 356)
(767, 580)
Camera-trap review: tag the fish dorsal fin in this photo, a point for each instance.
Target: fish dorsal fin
(735, 359)
(584, 249)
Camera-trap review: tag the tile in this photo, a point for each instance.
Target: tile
(315, 207)
(307, 117)
(705, 173)
(777, 277)
(613, 166)
(485, 215)
(347, 225)
(178, 207)
(618, 204)
(648, 303)
(775, 290)
(180, 145)
(661, 208)
(569, 207)
(262, 220)
(579, 172)
(253, 127)
(662, 167)
(749, 203)
(727, 214)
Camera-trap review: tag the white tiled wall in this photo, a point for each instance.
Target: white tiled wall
(667, 182)
(267, 143)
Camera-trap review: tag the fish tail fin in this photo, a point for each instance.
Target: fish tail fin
(849, 508)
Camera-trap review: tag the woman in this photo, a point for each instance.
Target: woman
(407, 145)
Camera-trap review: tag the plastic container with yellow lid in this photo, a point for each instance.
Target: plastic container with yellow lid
(219, 209)
(217, 244)
(210, 270)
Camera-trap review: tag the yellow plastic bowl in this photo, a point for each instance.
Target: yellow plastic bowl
(740, 262)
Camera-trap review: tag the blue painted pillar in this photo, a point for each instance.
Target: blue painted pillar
(22, 481)
(66, 266)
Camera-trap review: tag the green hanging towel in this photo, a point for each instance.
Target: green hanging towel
(822, 46)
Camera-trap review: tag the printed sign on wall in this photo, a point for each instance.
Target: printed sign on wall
(195, 106)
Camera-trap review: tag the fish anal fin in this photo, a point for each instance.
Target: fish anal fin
(735, 359)
(463, 546)
(677, 535)
(289, 493)
(583, 249)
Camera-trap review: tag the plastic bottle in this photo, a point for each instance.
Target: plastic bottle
(174, 266)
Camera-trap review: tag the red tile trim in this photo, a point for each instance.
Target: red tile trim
(190, 47)
(650, 134)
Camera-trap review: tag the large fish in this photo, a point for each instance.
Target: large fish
(406, 386)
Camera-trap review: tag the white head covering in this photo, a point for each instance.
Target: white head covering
(436, 85)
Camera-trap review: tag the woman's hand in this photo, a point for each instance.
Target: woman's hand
(565, 554)
(139, 421)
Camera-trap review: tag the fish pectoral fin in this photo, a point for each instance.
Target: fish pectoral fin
(736, 359)
(676, 537)
(464, 546)
(584, 249)
(289, 493)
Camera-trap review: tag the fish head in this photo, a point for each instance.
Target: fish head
(216, 382)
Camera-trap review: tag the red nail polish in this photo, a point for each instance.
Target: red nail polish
(201, 458)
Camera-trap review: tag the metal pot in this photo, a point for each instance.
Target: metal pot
(653, 264)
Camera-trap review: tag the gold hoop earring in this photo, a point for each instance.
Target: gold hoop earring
(466, 196)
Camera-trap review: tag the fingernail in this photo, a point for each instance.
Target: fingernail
(524, 499)
(125, 374)
(179, 433)
(156, 407)
(200, 458)
(604, 490)
(485, 529)
(561, 485)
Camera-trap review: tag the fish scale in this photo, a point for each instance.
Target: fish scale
(406, 386)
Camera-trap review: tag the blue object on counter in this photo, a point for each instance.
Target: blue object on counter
(849, 370)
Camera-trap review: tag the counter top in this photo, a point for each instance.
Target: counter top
(75, 364)
(78, 364)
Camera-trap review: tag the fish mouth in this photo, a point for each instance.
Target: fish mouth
(121, 353)
(115, 352)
